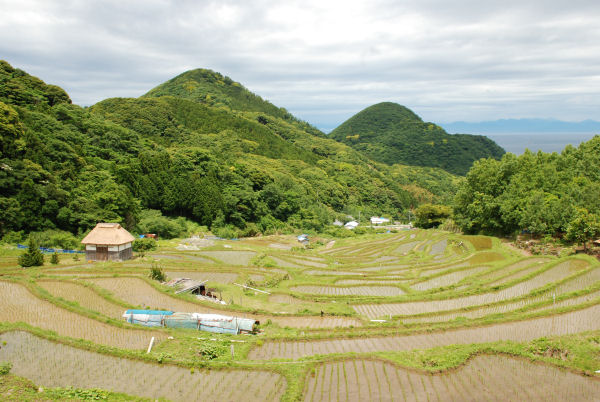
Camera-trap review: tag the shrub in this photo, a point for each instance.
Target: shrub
(57, 239)
(14, 237)
(431, 216)
(226, 232)
(211, 351)
(143, 245)
(152, 221)
(32, 257)
(250, 230)
(54, 259)
(5, 368)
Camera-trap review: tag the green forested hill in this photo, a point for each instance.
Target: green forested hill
(213, 89)
(67, 167)
(391, 133)
(544, 194)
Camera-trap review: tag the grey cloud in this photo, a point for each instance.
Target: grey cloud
(462, 60)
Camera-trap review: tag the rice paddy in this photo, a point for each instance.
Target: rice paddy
(489, 378)
(67, 366)
(556, 273)
(330, 316)
(20, 305)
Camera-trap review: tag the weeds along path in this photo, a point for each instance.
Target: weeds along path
(554, 274)
(568, 323)
(137, 292)
(19, 305)
(484, 378)
(67, 366)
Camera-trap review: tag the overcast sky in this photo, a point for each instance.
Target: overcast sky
(324, 60)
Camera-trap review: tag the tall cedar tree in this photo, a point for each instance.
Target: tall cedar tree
(32, 257)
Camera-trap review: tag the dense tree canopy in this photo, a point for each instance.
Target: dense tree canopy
(199, 147)
(537, 192)
(391, 133)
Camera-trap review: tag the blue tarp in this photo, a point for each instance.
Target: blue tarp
(54, 250)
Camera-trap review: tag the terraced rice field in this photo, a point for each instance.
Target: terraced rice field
(284, 299)
(308, 263)
(568, 323)
(350, 291)
(483, 378)
(219, 277)
(231, 257)
(439, 247)
(448, 279)
(406, 247)
(19, 305)
(182, 257)
(286, 264)
(369, 282)
(434, 294)
(558, 272)
(67, 366)
(137, 292)
(510, 307)
(332, 273)
(82, 295)
(517, 269)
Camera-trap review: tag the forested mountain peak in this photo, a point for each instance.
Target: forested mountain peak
(392, 113)
(214, 89)
(391, 133)
(19, 88)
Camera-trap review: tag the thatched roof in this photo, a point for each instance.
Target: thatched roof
(111, 234)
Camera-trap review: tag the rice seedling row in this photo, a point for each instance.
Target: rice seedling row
(82, 295)
(350, 291)
(567, 323)
(67, 366)
(308, 263)
(439, 247)
(370, 282)
(490, 378)
(332, 273)
(448, 279)
(512, 271)
(19, 305)
(219, 277)
(406, 247)
(230, 257)
(286, 264)
(558, 272)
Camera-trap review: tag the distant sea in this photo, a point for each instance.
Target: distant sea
(546, 142)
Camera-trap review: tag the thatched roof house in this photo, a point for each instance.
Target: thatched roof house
(108, 241)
